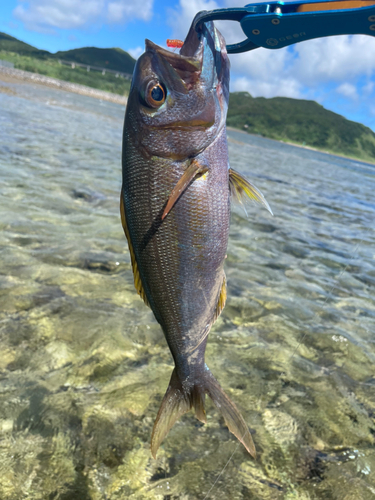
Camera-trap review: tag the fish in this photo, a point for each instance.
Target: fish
(175, 210)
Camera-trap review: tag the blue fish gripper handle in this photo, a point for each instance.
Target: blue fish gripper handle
(278, 24)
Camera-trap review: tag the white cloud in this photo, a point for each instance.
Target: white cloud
(257, 88)
(46, 15)
(309, 65)
(303, 70)
(334, 58)
(261, 72)
(368, 88)
(180, 18)
(124, 10)
(347, 90)
(58, 13)
(261, 64)
(264, 73)
(135, 53)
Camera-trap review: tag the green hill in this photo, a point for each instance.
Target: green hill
(29, 58)
(11, 44)
(116, 59)
(301, 122)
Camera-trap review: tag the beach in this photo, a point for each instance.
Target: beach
(12, 75)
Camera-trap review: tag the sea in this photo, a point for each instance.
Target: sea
(84, 365)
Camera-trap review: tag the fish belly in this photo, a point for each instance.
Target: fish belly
(180, 258)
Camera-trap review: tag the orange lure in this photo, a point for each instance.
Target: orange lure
(174, 44)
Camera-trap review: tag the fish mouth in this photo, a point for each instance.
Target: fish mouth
(179, 62)
(208, 45)
(187, 68)
(202, 56)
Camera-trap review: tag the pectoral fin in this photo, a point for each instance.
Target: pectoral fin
(239, 187)
(137, 278)
(187, 177)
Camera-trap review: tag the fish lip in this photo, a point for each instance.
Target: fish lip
(185, 128)
(195, 124)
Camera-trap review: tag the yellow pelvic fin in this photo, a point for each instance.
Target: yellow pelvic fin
(239, 187)
(137, 278)
(187, 177)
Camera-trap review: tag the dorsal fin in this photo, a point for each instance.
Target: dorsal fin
(239, 187)
(137, 278)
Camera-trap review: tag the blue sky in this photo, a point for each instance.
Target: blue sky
(338, 72)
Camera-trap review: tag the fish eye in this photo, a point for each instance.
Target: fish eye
(155, 95)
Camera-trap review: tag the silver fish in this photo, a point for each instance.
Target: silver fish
(175, 208)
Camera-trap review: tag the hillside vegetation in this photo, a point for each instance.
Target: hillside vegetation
(51, 67)
(11, 44)
(301, 122)
(116, 59)
(29, 58)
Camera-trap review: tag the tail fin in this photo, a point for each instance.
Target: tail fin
(180, 398)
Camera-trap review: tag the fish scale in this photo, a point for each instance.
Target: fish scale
(175, 208)
(174, 265)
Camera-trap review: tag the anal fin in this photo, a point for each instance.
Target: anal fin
(219, 307)
(239, 187)
(137, 278)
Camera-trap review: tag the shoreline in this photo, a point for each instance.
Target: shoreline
(296, 145)
(12, 75)
(18, 75)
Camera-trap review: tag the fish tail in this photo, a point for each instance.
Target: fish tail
(233, 418)
(181, 397)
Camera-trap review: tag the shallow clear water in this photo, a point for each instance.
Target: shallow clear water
(84, 365)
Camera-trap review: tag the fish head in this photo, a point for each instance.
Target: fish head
(178, 102)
